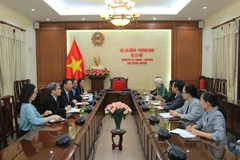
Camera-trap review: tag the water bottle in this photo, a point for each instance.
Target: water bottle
(90, 97)
(147, 98)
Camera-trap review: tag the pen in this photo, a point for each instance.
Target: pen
(184, 126)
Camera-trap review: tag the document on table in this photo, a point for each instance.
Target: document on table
(165, 115)
(183, 133)
(158, 107)
(74, 110)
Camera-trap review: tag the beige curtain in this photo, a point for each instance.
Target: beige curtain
(12, 53)
(224, 55)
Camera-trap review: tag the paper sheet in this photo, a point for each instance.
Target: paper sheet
(74, 110)
(183, 133)
(165, 115)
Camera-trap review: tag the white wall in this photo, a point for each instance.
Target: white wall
(226, 14)
(12, 17)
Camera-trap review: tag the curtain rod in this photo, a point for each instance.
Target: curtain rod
(12, 25)
(226, 22)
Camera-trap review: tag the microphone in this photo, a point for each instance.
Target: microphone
(81, 120)
(162, 133)
(175, 152)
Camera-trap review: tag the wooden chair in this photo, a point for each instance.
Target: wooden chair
(3, 139)
(10, 125)
(119, 83)
(209, 84)
(224, 86)
(17, 91)
(217, 85)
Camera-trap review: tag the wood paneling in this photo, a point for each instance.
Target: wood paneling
(50, 56)
(188, 55)
(51, 47)
(238, 82)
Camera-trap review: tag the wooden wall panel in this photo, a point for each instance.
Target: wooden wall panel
(188, 56)
(51, 47)
(50, 56)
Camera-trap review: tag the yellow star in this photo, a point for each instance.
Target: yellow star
(75, 65)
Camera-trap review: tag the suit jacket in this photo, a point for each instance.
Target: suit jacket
(191, 111)
(77, 95)
(50, 104)
(176, 103)
(63, 99)
(80, 90)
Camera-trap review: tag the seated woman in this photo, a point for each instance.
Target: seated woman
(212, 125)
(97, 63)
(160, 89)
(191, 109)
(29, 116)
(80, 86)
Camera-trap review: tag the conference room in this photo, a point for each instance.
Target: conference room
(119, 50)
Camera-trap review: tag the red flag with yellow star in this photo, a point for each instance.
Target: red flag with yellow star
(74, 63)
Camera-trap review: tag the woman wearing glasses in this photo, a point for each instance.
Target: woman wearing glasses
(191, 109)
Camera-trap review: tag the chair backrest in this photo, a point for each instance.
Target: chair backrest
(38, 103)
(3, 139)
(217, 85)
(222, 100)
(17, 91)
(119, 83)
(202, 82)
(209, 84)
(10, 115)
(224, 86)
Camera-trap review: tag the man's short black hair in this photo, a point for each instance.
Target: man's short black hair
(179, 84)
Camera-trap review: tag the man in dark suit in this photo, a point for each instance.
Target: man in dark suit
(66, 97)
(51, 102)
(178, 100)
(75, 91)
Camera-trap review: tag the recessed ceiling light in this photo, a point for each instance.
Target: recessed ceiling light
(47, 19)
(83, 19)
(33, 9)
(189, 18)
(154, 18)
(204, 7)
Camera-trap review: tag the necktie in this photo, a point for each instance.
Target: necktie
(67, 96)
(57, 103)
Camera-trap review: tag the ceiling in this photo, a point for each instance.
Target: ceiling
(92, 8)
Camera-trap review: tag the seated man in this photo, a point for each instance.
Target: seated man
(75, 91)
(178, 100)
(160, 89)
(51, 102)
(66, 97)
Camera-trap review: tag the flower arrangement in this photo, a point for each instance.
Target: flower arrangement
(117, 109)
(97, 72)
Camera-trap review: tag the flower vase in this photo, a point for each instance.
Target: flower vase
(118, 121)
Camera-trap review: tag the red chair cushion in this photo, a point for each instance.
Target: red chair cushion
(118, 85)
(202, 84)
